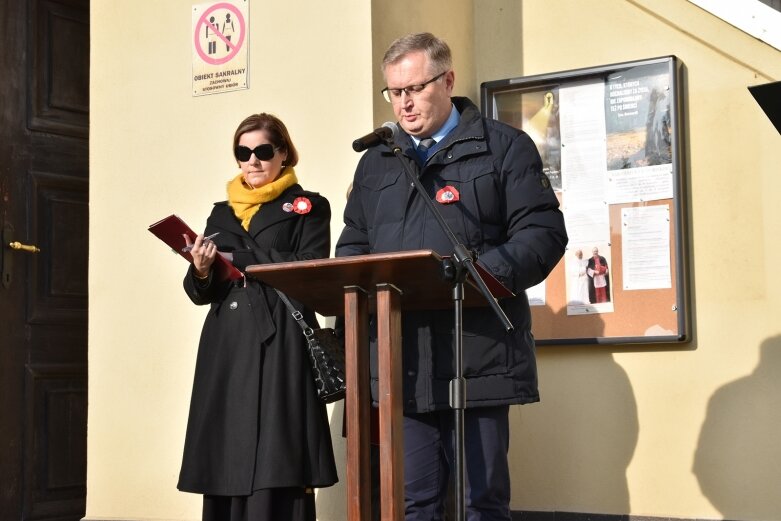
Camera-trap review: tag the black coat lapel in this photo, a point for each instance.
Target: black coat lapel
(276, 211)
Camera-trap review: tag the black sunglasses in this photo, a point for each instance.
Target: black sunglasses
(263, 152)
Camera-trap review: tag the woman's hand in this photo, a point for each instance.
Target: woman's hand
(203, 253)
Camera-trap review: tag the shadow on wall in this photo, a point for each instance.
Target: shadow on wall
(580, 439)
(738, 458)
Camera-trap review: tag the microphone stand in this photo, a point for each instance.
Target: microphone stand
(455, 270)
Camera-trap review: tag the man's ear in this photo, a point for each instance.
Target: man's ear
(450, 81)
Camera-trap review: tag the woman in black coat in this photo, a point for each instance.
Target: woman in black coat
(258, 439)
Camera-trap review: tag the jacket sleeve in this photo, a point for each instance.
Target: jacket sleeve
(354, 239)
(204, 292)
(313, 240)
(536, 235)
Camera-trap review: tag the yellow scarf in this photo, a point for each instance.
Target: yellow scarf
(246, 201)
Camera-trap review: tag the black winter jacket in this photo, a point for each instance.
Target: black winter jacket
(507, 212)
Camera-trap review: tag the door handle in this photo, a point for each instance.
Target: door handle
(7, 246)
(16, 245)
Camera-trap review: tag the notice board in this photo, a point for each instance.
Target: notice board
(610, 141)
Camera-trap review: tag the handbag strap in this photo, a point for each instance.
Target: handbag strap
(297, 315)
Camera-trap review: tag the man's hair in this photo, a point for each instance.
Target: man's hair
(437, 51)
(275, 131)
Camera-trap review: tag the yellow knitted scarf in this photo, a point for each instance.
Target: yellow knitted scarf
(246, 201)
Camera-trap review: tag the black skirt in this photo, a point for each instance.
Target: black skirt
(268, 504)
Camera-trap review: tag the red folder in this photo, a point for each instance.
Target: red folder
(171, 231)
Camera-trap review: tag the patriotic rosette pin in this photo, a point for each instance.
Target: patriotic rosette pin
(447, 195)
(302, 205)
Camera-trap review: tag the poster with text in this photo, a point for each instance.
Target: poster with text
(637, 113)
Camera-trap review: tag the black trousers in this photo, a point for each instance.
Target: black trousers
(429, 461)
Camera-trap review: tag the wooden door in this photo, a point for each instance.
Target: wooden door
(44, 181)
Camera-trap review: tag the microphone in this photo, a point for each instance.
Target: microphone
(377, 136)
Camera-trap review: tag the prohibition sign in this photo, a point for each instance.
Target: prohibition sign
(234, 47)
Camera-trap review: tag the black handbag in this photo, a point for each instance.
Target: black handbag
(326, 356)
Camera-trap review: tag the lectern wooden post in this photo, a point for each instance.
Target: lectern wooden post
(357, 403)
(354, 286)
(391, 400)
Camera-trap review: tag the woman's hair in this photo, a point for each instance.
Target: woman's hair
(437, 51)
(275, 130)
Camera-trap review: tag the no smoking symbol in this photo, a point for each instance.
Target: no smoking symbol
(219, 33)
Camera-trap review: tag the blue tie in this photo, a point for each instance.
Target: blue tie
(424, 146)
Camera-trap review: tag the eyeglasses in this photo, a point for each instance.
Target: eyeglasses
(392, 95)
(263, 152)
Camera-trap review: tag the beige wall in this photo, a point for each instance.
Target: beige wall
(683, 431)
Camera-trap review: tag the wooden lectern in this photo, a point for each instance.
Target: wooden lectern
(383, 283)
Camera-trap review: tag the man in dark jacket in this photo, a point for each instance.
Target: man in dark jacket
(487, 180)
